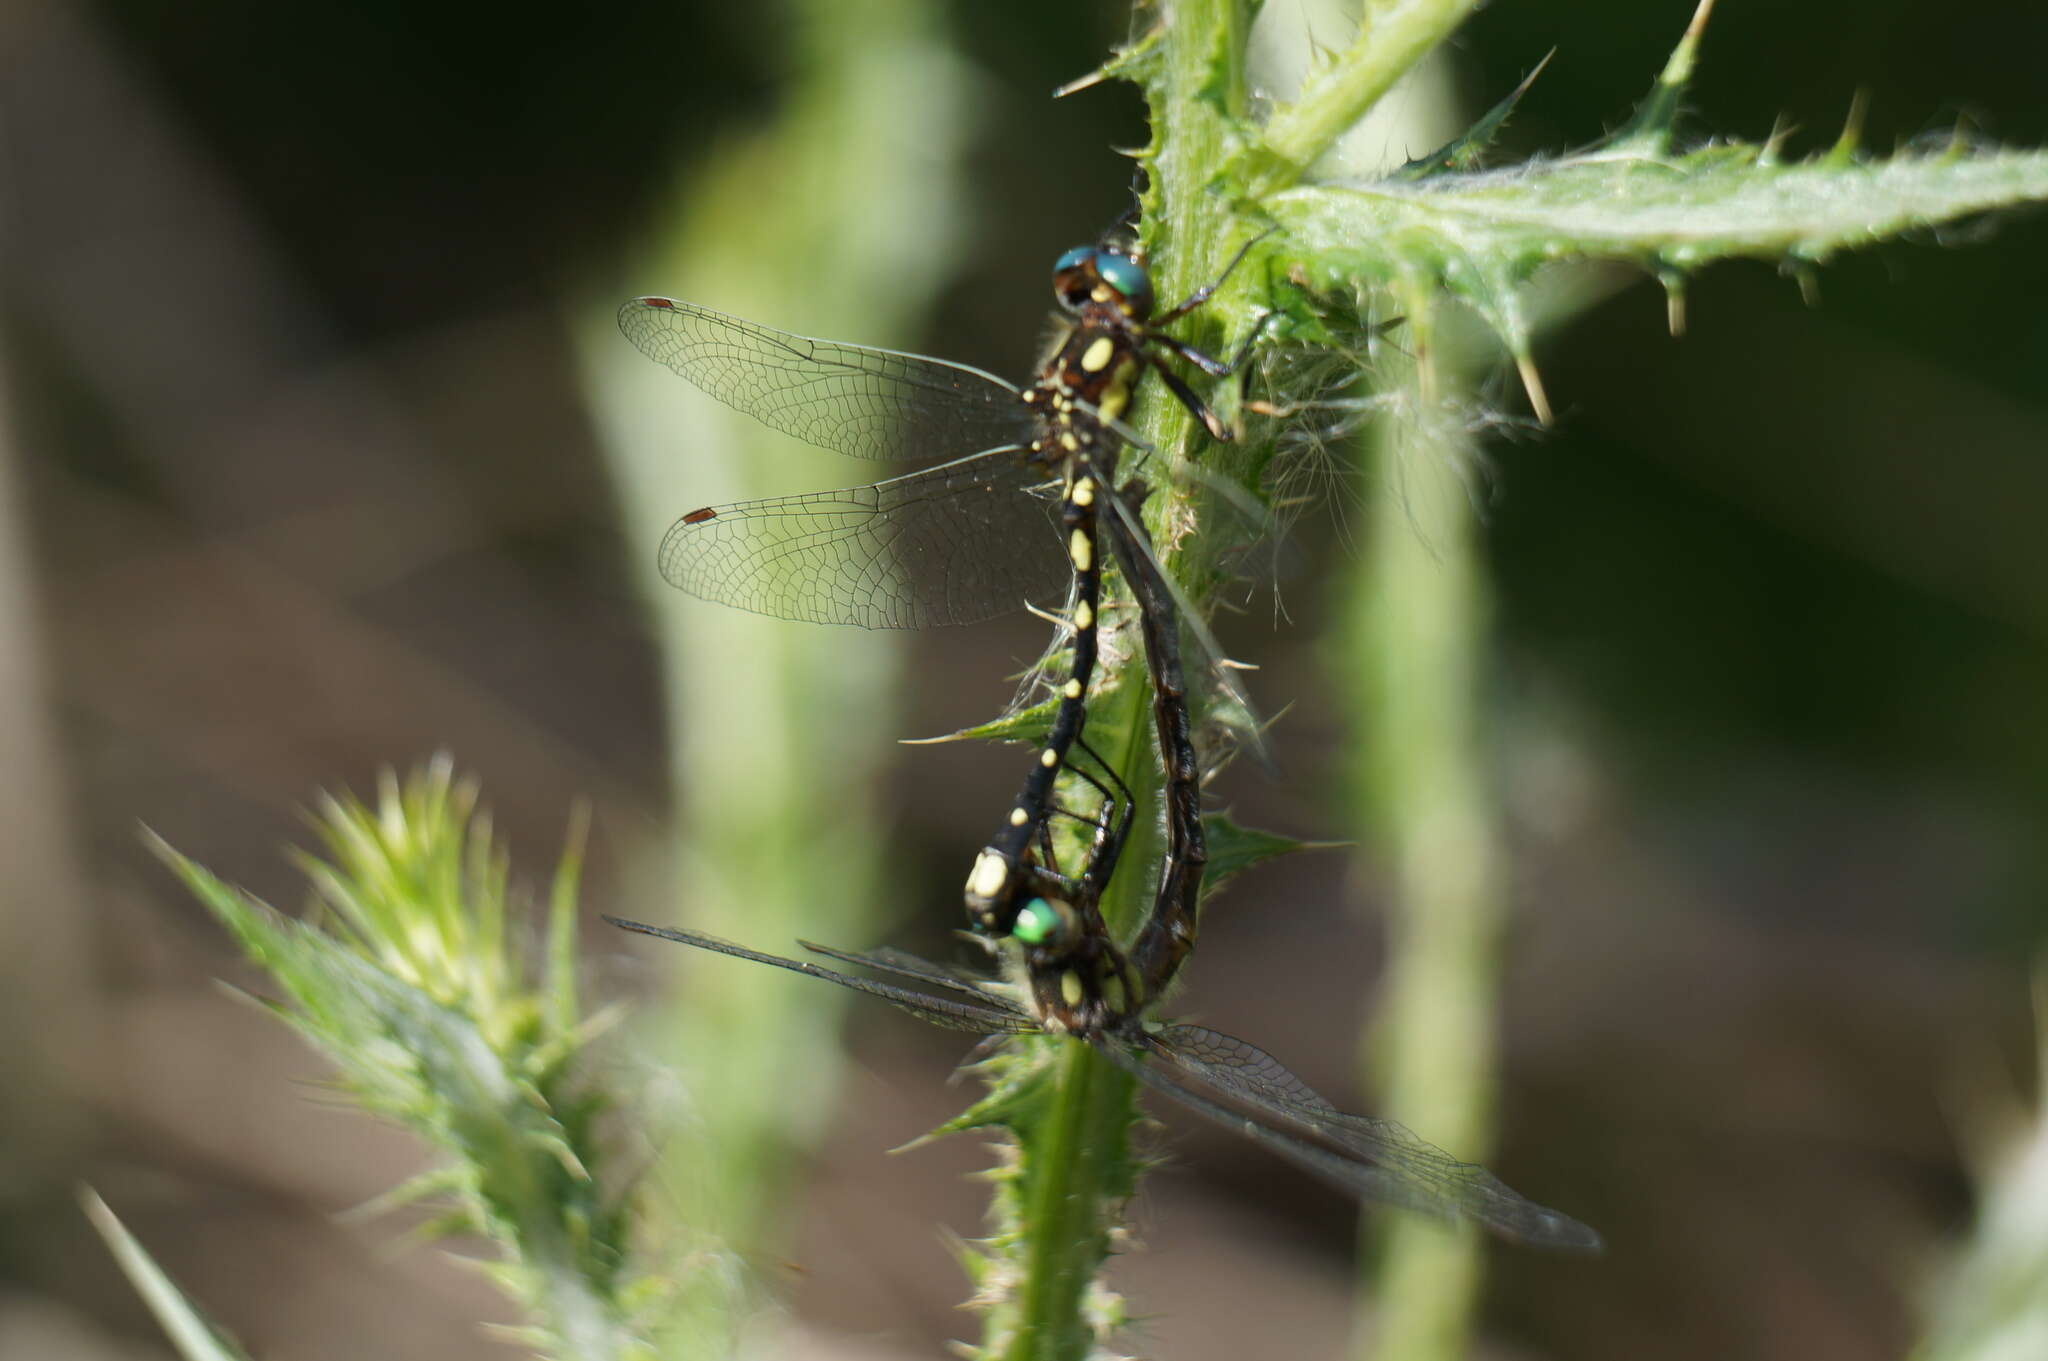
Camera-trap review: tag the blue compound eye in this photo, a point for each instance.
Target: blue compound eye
(1073, 259)
(1073, 279)
(1128, 278)
(1037, 923)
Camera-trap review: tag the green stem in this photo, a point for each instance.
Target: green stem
(1080, 1178)
(836, 220)
(1197, 96)
(1393, 35)
(1076, 1164)
(1420, 634)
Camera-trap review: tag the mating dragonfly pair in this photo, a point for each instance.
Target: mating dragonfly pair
(1018, 509)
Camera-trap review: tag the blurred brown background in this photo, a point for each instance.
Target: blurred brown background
(299, 481)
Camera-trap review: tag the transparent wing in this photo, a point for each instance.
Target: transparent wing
(1377, 1159)
(952, 1013)
(955, 544)
(902, 964)
(863, 402)
(1239, 1065)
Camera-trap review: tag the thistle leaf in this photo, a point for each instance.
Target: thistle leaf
(1234, 849)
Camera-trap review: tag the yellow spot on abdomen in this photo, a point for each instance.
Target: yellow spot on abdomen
(990, 873)
(1084, 616)
(1081, 551)
(1083, 493)
(1072, 689)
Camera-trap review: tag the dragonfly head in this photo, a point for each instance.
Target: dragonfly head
(1080, 982)
(1099, 274)
(1046, 924)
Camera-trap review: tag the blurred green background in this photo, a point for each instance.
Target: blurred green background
(300, 479)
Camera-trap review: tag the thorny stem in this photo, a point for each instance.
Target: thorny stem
(1393, 35)
(1081, 1171)
(770, 852)
(1419, 635)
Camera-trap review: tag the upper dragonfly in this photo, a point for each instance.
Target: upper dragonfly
(964, 540)
(1017, 513)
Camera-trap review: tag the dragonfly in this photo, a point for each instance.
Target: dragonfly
(1224, 1079)
(1076, 982)
(1014, 512)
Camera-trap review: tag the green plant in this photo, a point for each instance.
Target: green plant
(1438, 238)
(419, 986)
(1431, 239)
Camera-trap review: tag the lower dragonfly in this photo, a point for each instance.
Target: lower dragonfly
(1090, 994)
(1077, 983)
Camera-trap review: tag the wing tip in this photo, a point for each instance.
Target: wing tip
(1559, 1232)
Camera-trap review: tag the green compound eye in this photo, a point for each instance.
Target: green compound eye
(1037, 923)
(1127, 277)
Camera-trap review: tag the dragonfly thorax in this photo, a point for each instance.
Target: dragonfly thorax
(1089, 377)
(1080, 985)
